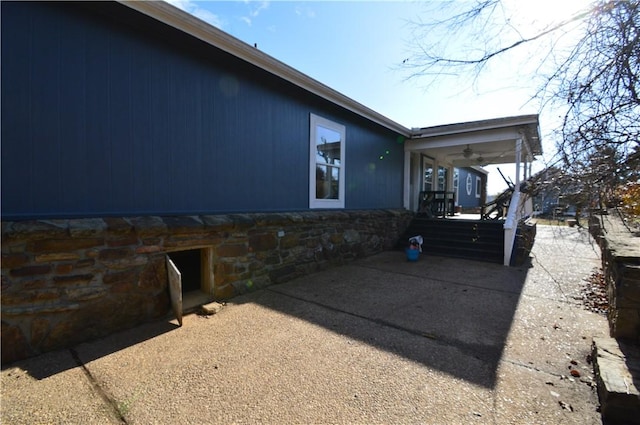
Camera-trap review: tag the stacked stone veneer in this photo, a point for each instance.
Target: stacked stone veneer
(525, 238)
(67, 281)
(620, 249)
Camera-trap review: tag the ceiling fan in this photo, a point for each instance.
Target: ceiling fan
(468, 153)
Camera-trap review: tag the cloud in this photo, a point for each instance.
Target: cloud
(200, 13)
(209, 17)
(305, 12)
(254, 10)
(263, 5)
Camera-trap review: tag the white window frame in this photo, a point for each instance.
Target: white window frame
(478, 186)
(314, 122)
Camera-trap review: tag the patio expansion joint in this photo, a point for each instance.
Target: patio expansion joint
(441, 340)
(534, 368)
(107, 398)
(452, 282)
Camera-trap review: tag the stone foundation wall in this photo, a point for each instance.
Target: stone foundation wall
(525, 238)
(621, 265)
(68, 281)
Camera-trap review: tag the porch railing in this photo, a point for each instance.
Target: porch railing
(520, 207)
(512, 206)
(436, 203)
(515, 206)
(498, 208)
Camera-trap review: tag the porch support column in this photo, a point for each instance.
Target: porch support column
(518, 162)
(406, 187)
(528, 157)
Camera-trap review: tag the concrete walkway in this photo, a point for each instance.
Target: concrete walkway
(380, 341)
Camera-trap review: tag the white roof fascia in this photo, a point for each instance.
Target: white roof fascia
(516, 123)
(177, 18)
(474, 126)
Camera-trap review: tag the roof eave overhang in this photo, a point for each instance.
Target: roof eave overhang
(473, 126)
(529, 125)
(176, 18)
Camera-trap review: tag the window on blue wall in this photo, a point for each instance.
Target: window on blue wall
(478, 186)
(326, 165)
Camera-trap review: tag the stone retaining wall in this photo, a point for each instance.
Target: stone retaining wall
(67, 281)
(525, 238)
(620, 249)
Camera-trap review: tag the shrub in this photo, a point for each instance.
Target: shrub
(628, 196)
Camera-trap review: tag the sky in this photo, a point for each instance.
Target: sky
(358, 47)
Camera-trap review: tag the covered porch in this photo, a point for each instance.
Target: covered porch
(445, 178)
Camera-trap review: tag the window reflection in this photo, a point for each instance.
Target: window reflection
(428, 177)
(327, 179)
(327, 146)
(328, 158)
(442, 178)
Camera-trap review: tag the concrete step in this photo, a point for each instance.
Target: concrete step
(617, 370)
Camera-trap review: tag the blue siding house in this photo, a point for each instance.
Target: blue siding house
(108, 112)
(140, 144)
(152, 163)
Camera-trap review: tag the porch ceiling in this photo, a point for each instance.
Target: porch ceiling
(488, 141)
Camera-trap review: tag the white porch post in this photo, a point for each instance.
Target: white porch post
(511, 222)
(406, 190)
(518, 162)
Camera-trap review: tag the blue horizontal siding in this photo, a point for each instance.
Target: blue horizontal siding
(374, 165)
(107, 112)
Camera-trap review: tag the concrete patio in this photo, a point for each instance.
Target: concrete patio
(381, 340)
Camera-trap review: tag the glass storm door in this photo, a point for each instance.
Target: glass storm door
(427, 174)
(442, 178)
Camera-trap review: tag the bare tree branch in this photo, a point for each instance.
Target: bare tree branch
(590, 70)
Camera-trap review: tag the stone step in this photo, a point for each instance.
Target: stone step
(617, 370)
